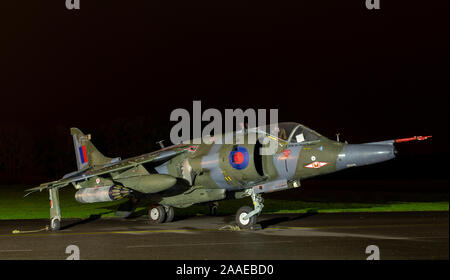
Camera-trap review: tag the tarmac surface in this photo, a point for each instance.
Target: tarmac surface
(398, 235)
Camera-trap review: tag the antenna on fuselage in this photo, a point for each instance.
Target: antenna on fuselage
(161, 143)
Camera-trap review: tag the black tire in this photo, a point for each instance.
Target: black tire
(170, 214)
(55, 224)
(157, 214)
(245, 224)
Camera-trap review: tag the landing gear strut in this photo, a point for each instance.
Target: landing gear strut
(55, 211)
(245, 216)
(213, 208)
(170, 213)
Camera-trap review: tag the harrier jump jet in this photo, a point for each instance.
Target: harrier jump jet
(186, 174)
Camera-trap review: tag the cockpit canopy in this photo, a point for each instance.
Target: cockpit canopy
(290, 132)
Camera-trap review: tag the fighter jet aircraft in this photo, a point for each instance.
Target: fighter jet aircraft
(186, 174)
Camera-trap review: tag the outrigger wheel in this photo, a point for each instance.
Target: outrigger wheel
(55, 224)
(157, 214)
(55, 211)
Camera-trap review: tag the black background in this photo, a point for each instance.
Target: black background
(116, 69)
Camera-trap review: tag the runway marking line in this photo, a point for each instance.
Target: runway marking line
(105, 232)
(356, 227)
(203, 230)
(205, 244)
(8, 251)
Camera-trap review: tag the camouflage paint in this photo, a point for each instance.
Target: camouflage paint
(189, 174)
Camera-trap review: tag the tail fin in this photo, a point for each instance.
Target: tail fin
(86, 153)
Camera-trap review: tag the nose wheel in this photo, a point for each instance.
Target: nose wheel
(241, 218)
(246, 216)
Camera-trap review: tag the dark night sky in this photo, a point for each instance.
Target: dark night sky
(117, 69)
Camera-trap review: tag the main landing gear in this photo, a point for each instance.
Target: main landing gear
(245, 216)
(161, 214)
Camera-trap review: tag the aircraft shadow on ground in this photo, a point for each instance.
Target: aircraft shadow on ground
(84, 221)
(179, 217)
(138, 213)
(274, 221)
(228, 218)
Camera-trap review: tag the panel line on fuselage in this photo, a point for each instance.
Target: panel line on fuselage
(211, 162)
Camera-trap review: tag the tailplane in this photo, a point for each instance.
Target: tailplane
(86, 153)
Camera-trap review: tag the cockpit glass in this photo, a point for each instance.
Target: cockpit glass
(290, 130)
(304, 134)
(285, 130)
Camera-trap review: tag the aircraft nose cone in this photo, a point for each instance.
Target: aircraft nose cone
(363, 154)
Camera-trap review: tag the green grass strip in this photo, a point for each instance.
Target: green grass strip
(36, 206)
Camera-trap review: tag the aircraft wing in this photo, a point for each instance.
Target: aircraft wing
(157, 156)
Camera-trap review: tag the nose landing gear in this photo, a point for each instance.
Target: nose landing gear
(245, 216)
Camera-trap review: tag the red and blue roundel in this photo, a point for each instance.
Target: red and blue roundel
(239, 158)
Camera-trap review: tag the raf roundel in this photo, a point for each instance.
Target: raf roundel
(239, 158)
